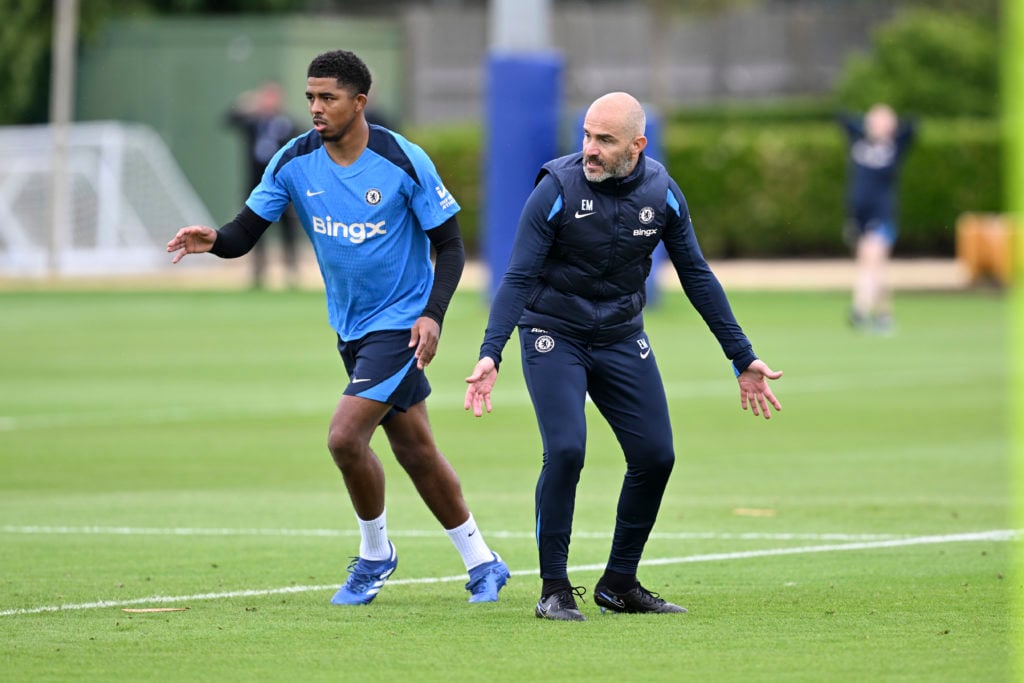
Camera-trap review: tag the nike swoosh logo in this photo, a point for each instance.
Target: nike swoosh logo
(644, 354)
(618, 602)
(358, 381)
(471, 532)
(313, 194)
(584, 215)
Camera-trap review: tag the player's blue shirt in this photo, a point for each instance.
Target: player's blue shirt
(367, 223)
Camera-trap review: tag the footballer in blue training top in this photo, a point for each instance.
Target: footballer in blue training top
(373, 205)
(367, 223)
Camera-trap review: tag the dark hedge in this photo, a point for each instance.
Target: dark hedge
(776, 190)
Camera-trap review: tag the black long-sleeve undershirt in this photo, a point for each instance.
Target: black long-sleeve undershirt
(448, 264)
(236, 238)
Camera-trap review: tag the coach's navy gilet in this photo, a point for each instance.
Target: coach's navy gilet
(593, 282)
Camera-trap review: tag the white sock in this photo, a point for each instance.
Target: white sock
(373, 543)
(469, 541)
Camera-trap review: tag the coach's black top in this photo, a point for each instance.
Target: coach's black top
(582, 254)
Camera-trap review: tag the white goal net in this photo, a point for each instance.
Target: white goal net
(125, 193)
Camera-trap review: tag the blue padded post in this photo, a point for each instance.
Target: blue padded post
(523, 104)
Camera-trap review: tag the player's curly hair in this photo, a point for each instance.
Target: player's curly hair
(343, 66)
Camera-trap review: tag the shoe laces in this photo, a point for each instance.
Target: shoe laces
(567, 596)
(649, 595)
(358, 581)
(481, 584)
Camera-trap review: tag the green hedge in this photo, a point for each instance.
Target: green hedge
(777, 190)
(456, 152)
(757, 191)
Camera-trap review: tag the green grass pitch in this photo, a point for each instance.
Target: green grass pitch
(167, 450)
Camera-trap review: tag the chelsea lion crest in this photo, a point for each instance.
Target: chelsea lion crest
(544, 343)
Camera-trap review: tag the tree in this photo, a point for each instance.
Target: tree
(927, 62)
(24, 54)
(25, 37)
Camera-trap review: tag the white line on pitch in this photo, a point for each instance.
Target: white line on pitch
(998, 535)
(413, 533)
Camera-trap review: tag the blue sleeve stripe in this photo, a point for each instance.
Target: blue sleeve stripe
(672, 201)
(386, 145)
(556, 207)
(304, 144)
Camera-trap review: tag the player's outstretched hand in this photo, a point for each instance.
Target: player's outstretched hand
(425, 333)
(754, 389)
(195, 239)
(478, 394)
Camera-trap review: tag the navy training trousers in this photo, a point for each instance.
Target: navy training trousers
(623, 381)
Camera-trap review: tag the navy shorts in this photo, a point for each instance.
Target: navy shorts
(381, 367)
(883, 229)
(871, 224)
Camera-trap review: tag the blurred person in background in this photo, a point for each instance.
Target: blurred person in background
(373, 205)
(259, 115)
(878, 143)
(576, 288)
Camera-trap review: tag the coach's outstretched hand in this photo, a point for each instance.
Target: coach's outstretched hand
(754, 389)
(195, 239)
(478, 394)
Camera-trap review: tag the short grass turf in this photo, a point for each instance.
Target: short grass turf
(167, 450)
